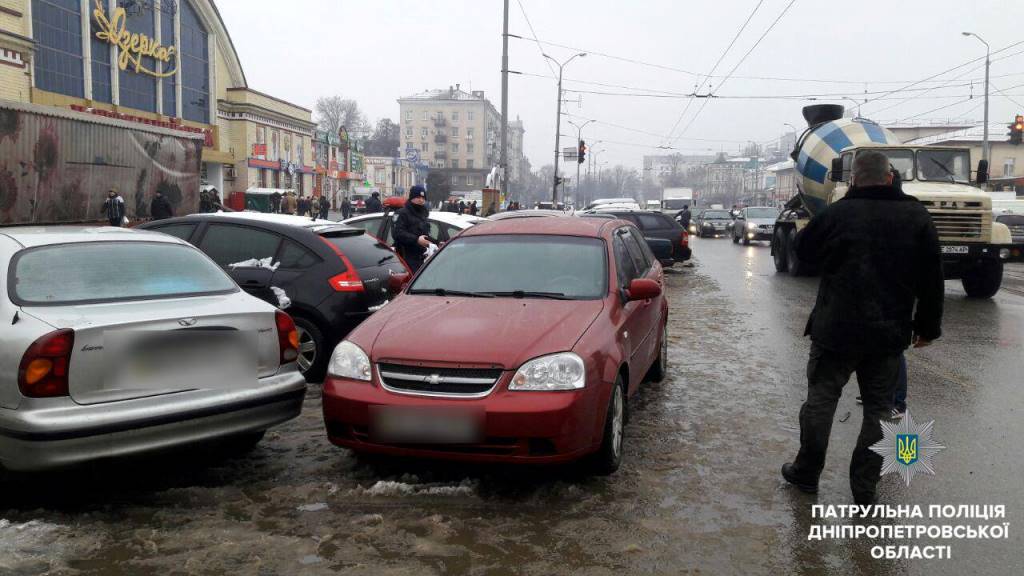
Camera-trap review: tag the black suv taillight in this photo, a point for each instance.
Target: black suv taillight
(43, 372)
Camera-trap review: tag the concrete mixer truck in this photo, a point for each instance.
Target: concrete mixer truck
(974, 247)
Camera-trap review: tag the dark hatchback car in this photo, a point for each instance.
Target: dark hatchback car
(657, 228)
(333, 276)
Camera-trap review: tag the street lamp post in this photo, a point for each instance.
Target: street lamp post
(988, 53)
(558, 124)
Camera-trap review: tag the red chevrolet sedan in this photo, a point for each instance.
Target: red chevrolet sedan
(520, 341)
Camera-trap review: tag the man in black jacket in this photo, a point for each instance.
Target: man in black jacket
(683, 217)
(412, 229)
(373, 204)
(160, 208)
(878, 253)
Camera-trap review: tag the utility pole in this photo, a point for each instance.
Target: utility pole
(988, 62)
(558, 124)
(503, 170)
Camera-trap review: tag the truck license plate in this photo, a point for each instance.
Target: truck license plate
(954, 249)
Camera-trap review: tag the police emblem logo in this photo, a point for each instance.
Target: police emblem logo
(907, 448)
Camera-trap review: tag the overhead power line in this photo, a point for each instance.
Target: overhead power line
(700, 85)
(535, 38)
(738, 64)
(948, 70)
(737, 77)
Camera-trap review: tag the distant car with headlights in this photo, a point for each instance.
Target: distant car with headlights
(754, 224)
(519, 341)
(712, 223)
(118, 342)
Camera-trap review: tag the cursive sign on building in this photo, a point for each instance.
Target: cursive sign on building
(132, 46)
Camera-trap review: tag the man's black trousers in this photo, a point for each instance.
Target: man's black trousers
(827, 372)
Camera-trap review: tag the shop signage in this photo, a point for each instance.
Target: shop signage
(259, 150)
(132, 46)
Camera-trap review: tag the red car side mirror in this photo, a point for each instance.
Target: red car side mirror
(643, 289)
(398, 281)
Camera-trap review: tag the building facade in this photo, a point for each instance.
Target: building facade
(660, 170)
(166, 63)
(454, 132)
(390, 176)
(518, 167)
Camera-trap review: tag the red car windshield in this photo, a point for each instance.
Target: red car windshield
(519, 265)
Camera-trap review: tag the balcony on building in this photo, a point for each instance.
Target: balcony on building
(440, 138)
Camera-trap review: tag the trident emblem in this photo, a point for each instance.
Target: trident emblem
(906, 448)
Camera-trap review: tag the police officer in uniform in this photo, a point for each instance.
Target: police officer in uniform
(412, 229)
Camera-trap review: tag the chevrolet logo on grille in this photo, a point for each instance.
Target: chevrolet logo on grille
(434, 379)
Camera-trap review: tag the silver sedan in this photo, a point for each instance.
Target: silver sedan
(118, 342)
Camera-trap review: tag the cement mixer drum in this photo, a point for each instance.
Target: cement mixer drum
(822, 143)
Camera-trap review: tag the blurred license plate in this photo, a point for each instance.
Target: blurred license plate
(180, 359)
(418, 425)
(954, 249)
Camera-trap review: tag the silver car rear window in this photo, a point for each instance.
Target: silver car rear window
(91, 272)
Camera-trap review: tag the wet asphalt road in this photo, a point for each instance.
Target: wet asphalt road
(699, 492)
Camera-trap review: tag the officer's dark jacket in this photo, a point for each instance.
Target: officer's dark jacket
(409, 226)
(878, 253)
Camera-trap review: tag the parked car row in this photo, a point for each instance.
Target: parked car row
(205, 327)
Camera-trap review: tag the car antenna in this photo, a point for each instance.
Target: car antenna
(15, 319)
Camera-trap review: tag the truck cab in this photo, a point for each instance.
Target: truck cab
(973, 245)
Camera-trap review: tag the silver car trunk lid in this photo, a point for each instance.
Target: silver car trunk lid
(100, 326)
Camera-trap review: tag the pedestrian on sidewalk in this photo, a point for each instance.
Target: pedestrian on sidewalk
(412, 229)
(113, 208)
(275, 202)
(160, 207)
(325, 207)
(878, 251)
(346, 208)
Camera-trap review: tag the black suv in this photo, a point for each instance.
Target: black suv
(657, 228)
(333, 275)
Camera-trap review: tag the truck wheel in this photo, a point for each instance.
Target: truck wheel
(795, 266)
(780, 250)
(984, 279)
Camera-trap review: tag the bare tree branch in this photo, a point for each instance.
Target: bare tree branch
(333, 112)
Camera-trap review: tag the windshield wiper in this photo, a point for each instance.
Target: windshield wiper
(385, 259)
(532, 294)
(952, 176)
(446, 292)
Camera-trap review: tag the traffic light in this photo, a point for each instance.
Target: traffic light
(1017, 130)
(582, 153)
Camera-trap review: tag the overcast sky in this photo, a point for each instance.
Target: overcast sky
(375, 51)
